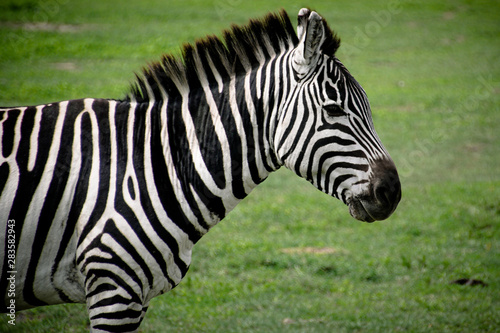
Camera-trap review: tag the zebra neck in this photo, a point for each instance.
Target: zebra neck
(216, 148)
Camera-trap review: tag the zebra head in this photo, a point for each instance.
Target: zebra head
(325, 132)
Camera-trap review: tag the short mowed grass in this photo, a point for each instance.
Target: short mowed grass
(289, 258)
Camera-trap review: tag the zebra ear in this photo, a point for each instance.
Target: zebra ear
(311, 34)
(302, 21)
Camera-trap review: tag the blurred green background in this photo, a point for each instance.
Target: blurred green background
(289, 258)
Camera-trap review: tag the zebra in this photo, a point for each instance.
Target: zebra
(102, 200)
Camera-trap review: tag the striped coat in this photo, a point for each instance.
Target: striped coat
(106, 198)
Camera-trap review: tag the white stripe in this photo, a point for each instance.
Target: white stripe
(263, 173)
(218, 78)
(136, 206)
(10, 188)
(233, 102)
(109, 211)
(185, 245)
(226, 194)
(94, 176)
(52, 244)
(34, 138)
(33, 215)
(208, 216)
(194, 148)
(172, 172)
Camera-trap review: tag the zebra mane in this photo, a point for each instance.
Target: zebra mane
(240, 48)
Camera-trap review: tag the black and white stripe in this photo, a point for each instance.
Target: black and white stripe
(109, 196)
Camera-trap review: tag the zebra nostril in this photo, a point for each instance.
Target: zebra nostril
(382, 194)
(388, 192)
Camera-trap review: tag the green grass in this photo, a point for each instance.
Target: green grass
(432, 72)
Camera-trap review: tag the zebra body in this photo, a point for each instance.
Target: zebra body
(108, 197)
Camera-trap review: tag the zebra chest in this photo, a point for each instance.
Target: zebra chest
(135, 249)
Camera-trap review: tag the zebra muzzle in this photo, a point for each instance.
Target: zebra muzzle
(382, 197)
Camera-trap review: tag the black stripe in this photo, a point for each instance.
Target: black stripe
(163, 184)
(365, 139)
(101, 109)
(53, 198)
(123, 209)
(325, 142)
(119, 315)
(8, 128)
(210, 147)
(272, 104)
(309, 96)
(339, 180)
(288, 130)
(131, 327)
(344, 165)
(4, 174)
(248, 132)
(80, 191)
(261, 121)
(139, 136)
(95, 273)
(185, 167)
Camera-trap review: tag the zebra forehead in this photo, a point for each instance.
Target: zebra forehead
(240, 49)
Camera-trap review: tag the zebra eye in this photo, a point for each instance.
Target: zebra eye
(334, 110)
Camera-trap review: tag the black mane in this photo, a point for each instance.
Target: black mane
(240, 48)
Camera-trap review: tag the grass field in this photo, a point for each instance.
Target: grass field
(289, 258)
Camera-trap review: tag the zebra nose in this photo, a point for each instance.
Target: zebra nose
(387, 191)
(382, 196)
